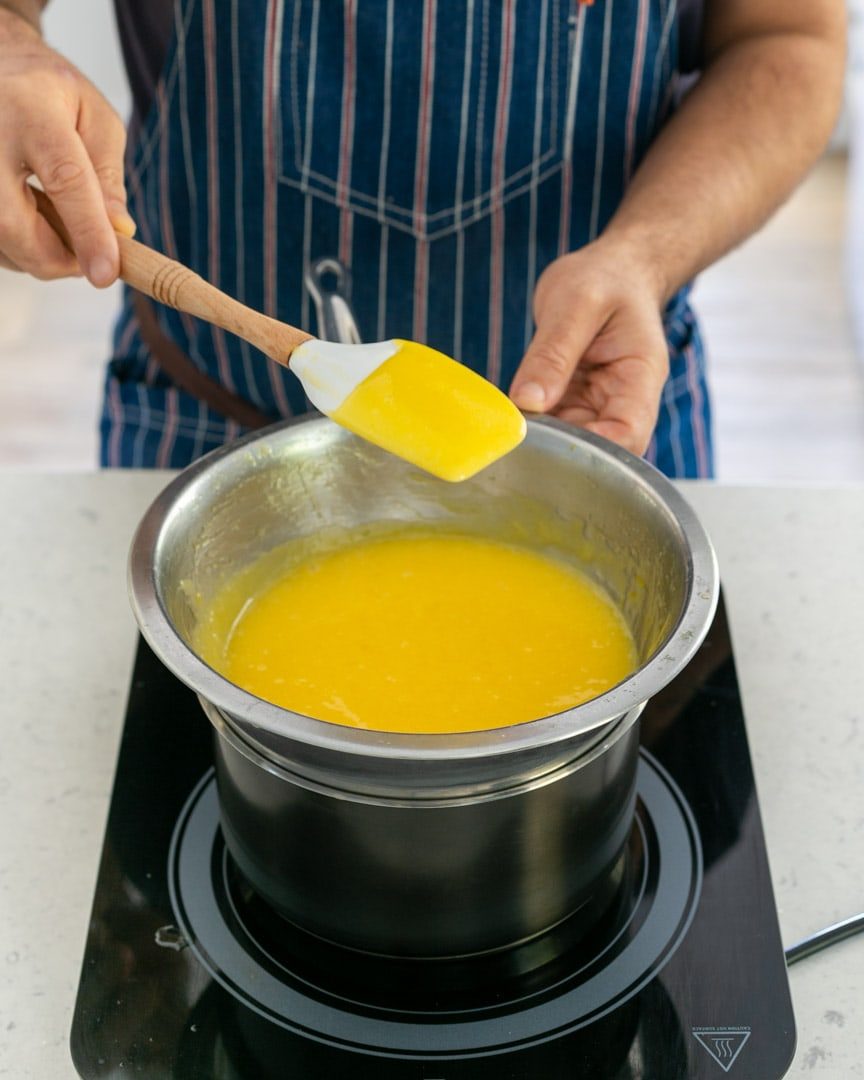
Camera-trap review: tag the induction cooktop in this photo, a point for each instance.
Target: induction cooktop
(187, 973)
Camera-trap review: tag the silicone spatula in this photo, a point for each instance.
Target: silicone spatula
(405, 397)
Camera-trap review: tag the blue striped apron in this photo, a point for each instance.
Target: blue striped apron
(445, 151)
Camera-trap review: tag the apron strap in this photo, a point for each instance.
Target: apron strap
(188, 376)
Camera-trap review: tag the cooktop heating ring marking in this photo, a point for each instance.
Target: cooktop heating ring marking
(198, 916)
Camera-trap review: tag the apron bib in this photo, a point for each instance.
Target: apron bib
(447, 153)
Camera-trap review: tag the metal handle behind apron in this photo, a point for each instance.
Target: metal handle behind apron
(329, 285)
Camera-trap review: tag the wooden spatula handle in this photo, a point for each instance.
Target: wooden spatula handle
(171, 283)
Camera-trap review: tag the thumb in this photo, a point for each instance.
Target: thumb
(552, 358)
(104, 136)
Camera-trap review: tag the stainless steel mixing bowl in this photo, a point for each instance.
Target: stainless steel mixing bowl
(434, 845)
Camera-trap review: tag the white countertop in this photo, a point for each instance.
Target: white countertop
(791, 564)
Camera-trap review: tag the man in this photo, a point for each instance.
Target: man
(515, 183)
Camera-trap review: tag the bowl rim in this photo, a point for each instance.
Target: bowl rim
(251, 712)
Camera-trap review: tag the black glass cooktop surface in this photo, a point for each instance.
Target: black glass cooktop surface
(188, 974)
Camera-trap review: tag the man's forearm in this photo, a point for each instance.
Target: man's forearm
(757, 120)
(30, 10)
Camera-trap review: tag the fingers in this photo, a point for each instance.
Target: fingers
(28, 241)
(552, 357)
(599, 357)
(620, 399)
(56, 125)
(623, 433)
(57, 155)
(104, 137)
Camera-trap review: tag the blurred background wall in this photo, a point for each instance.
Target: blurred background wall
(84, 30)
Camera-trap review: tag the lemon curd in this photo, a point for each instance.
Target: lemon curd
(417, 631)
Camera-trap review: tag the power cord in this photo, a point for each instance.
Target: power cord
(823, 938)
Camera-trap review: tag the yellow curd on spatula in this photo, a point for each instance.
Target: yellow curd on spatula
(414, 401)
(418, 631)
(435, 412)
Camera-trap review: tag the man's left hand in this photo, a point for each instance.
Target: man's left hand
(599, 357)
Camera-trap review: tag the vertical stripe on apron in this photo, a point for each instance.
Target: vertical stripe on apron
(531, 261)
(602, 99)
(636, 94)
(574, 72)
(346, 142)
(499, 146)
(383, 161)
(421, 165)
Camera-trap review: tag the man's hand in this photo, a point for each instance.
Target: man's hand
(756, 120)
(599, 358)
(56, 126)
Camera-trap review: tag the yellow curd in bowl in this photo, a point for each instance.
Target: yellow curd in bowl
(416, 630)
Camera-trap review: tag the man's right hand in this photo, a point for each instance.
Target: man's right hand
(56, 126)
